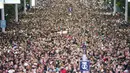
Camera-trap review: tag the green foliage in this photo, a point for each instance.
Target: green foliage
(121, 4)
(10, 9)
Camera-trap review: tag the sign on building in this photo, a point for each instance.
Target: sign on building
(1, 4)
(12, 1)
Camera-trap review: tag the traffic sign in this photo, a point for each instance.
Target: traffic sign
(84, 65)
(3, 23)
(12, 1)
(1, 4)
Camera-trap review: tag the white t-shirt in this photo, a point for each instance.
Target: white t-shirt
(34, 70)
(25, 64)
(11, 71)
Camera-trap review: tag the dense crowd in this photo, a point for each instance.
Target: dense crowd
(49, 40)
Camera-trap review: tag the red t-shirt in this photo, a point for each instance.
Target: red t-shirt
(63, 71)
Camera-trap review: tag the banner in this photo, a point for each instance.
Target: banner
(84, 65)
(1, 4)
(12, 1)
(3, 23)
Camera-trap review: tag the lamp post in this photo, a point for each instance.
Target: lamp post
(25, 6)
(16, 12)
(30, 3)
(3, 17)
(126, 10)
(114, 7)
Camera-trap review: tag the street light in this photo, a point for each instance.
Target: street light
(114, 7)
(25, 6)
(126, 10)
